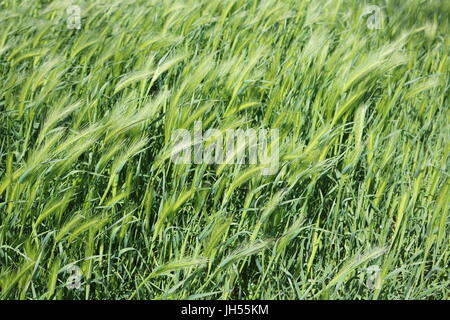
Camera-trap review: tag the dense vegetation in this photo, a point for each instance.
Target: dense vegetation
(86, 180)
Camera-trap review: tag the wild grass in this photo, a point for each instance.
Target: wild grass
(86, 118)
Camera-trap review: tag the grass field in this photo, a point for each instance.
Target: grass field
(92, 207)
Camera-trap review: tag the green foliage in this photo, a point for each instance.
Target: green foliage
(86, 117)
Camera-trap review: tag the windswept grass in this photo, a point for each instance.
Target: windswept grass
(86, 118)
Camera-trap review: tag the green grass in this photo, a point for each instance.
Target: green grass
(86, 118)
